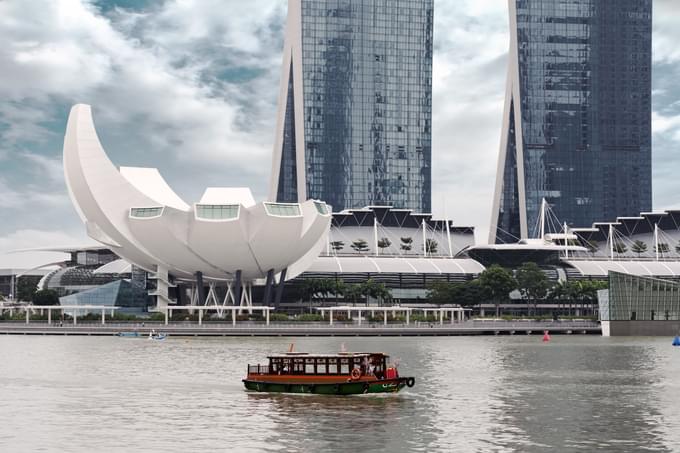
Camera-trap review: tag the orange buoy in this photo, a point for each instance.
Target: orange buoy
(546, 336)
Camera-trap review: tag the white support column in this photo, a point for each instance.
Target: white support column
(385, 317)
(200, 317)
(267, 315)
(408, 317)
(103, 316)
(424, 240)
(441, 316)
(75, 317)
(349, 315)
(330, 318)
(49, 317)
(359, 317)
(452, 315)
(375, 235)
(656, 240)
(28, 316)
(166, 316)
(233, 317)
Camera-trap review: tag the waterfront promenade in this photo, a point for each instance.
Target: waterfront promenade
(307, 329)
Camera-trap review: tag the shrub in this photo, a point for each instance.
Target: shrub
(278, 317)
(309, 317)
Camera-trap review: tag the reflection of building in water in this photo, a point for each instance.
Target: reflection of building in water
(640, 306)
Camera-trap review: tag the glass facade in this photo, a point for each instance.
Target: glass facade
(584, 83)
(122, 293)
(367, 91)
(217, 212)
(142, 213)
(283, 209)
(633, 298)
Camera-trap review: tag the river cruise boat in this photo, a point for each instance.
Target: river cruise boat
(345, 373)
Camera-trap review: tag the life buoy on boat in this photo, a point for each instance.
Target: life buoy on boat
(410, 382)
(356, 373)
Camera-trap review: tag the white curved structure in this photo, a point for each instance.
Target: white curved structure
(135, 213)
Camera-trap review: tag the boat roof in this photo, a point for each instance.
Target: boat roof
(337, 355)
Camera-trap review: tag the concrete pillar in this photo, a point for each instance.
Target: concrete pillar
(452, 315)
(28, 316)
(408, 317)
(441, 317)
(279, 288)
(233, 317)
(385, 317)
(49, 317)
(200, 288)
(200, 317)
(359, 317)
(267, 315)
(349, 315)
(103, 316)
(330, 312)
(75, 317)
(166, 316)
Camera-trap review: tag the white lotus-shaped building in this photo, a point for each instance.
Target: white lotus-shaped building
(225, 237)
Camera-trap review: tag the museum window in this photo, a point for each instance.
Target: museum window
(145, 213)
(217, 212)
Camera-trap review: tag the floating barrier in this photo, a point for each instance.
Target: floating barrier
(676, 340)
(546, 336)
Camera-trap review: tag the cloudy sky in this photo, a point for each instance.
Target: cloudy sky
(189, 86)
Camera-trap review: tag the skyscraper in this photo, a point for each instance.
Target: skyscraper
(577, 118)
(355, 106)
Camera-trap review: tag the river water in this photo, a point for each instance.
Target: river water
(472, 394)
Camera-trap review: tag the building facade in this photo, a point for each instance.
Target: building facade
(577, 119)
(355, 107)
(640, 306)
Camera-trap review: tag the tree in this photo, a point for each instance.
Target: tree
(45, 297)
(406, 244)
(26, 287)
(662, 248)
(371, 288)
(532, 282)
(499, 282)
(431, 246)
(638, 247)
(337, 245)
(360, 246)
(443, 292)
(384, 243)
(620, 248)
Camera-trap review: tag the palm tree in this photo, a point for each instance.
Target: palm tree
(407, 244)
(638, 247)
(662, 248)
(384, 243)
(360, 245)
(431, 246)
(620, 248)
(337, 245)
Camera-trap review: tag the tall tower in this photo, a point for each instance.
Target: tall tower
(355, 106)
(577, 118)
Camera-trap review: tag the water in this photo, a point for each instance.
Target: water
(474, 394)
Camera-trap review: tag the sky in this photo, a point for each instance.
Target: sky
(190, 87)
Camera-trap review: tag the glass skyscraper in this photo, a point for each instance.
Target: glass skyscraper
(355, 108)
(577, 120)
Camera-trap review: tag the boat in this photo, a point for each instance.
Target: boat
(157, 336)
(128, 334)
(345, 373)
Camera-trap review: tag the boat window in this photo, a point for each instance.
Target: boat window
(344, 366)
(320, 366)
(332, 366)
(298, 366)
(309, 366)
(286, 368)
